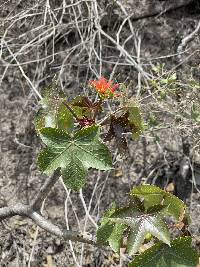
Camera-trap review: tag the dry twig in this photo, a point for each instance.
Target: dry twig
(31, 211)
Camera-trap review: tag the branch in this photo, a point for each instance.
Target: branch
(186, 40)
(45, 189)
(31, 211)
(71, 110)
(27, 211)
(154, 9)
(18, 209)
(107, 118)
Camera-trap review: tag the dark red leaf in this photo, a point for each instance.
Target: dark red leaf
(118, 126)
(87, 105)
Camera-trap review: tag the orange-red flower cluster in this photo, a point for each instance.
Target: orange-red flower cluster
(104, 87)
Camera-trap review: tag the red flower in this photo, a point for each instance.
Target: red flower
(104, 87)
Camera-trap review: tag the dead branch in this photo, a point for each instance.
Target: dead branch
(31, 211)
(154, 9)
(186, 40)
(45, 189)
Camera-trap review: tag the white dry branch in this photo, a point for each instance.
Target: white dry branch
(186, 40)
(32, 211)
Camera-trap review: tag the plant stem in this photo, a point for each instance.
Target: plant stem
(107, 118)
(27, 211)
(45, 189)
(71, 110)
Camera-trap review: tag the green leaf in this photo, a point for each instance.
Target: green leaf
(169, 80)
(135, 118)
(104, 232)
(153, 195)
(143, 225)
(53, 113)
(140, 225)
(112, 234)
(74, 174)
(180, 254)
(153, 121)
(136, 223)
(175, 206)
(74, 154)
(116, 237)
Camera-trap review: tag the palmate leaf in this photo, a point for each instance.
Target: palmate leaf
(53, 113)
(143, 225)
(180, 254)
(153, 195)
(74, 154)
(133, 222)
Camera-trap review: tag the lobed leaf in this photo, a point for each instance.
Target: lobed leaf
(74, 154)
(135, 223)
(143, 225)
(180, 254)
(153, 195)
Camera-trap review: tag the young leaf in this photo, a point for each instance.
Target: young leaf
(74, 154)
(118, 126)
(130, 121)
(153, 195)
(53, 113)
(58, 117)
(86, 106)
(180, 254)
(137, 222)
